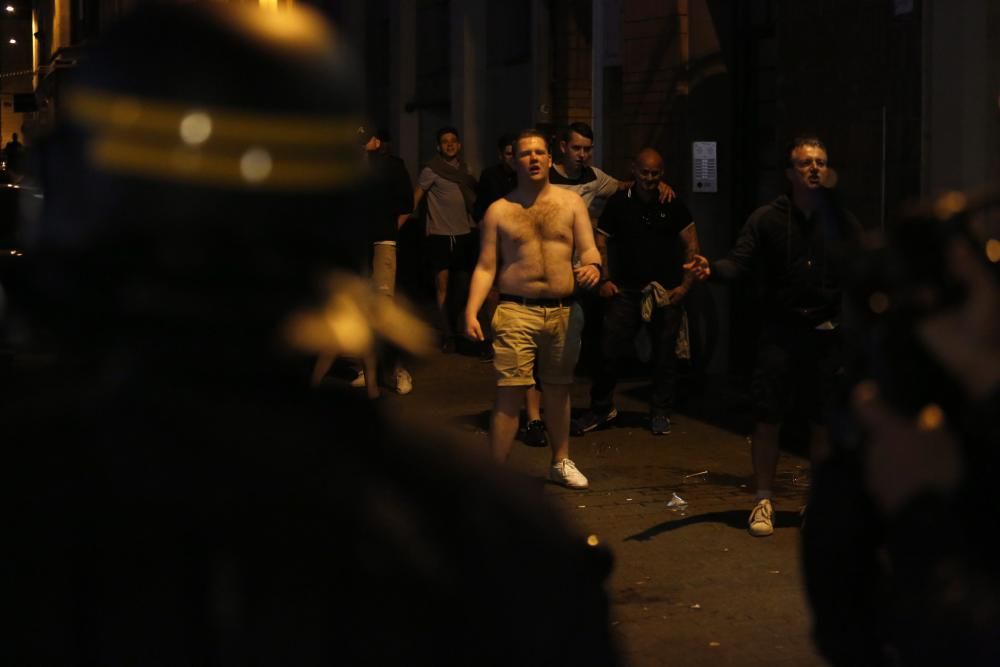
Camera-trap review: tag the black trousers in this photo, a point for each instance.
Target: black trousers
(622, 319)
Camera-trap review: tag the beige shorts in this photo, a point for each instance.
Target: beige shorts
(526, 335)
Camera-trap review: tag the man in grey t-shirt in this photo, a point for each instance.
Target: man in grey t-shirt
(451, 247)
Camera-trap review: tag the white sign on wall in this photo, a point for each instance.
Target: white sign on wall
(705, 165)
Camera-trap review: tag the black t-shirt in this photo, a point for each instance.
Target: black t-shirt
(494, 182)
(800, 261)
(644, 240)
(389, 194)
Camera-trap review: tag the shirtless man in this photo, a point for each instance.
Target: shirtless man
(532, 234)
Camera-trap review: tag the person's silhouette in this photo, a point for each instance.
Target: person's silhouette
(178, 494)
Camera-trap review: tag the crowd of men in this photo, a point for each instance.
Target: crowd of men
(545, 286)
(570, 257)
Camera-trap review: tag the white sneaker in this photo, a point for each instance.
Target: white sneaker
(359, 381)
(762, 518)
(566, 473)
(403, 381)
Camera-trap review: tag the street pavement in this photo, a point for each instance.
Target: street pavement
(690, 586)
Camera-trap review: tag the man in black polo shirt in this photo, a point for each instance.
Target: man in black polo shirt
(644, 243)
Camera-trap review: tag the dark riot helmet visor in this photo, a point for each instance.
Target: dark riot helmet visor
(204, 166)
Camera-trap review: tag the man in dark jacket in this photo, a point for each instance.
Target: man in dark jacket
(793, 245)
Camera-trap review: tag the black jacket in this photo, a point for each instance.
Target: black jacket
(797, 260)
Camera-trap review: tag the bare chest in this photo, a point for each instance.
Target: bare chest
(545, 223)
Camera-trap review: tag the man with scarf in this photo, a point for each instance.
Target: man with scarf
(450, 246)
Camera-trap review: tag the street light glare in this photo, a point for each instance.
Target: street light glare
(13, 41)
(10, 9)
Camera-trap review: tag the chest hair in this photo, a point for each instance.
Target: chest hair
(542, 222)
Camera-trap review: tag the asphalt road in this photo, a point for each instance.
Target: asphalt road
(690, 585)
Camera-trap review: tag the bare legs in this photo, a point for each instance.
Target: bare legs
(506, 415)
(557, 408)
(505, 421)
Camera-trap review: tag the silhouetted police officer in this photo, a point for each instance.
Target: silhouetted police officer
(176, 493)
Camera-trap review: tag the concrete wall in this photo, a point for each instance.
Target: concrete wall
(961, 128)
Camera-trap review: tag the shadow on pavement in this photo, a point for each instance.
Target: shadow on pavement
(732, 518)
(476, 421)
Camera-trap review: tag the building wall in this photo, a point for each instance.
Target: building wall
(571, 37)
(849, 71)
(654, 81)
(961, 128)
(509, 72)
(670, 86)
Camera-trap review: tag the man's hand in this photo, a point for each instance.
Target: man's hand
(608, 289)
(666, 192)
(905, 457)
(587, 275)
(473, 330)
(699, 267)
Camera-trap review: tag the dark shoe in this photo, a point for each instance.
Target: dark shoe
(448, 344)
(659, 423)
(535, 434)
(590, 420)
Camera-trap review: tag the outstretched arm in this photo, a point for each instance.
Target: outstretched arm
(741, 258)
(738, 263)
(689, 241)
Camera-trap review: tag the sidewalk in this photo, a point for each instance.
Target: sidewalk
(690, 586)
